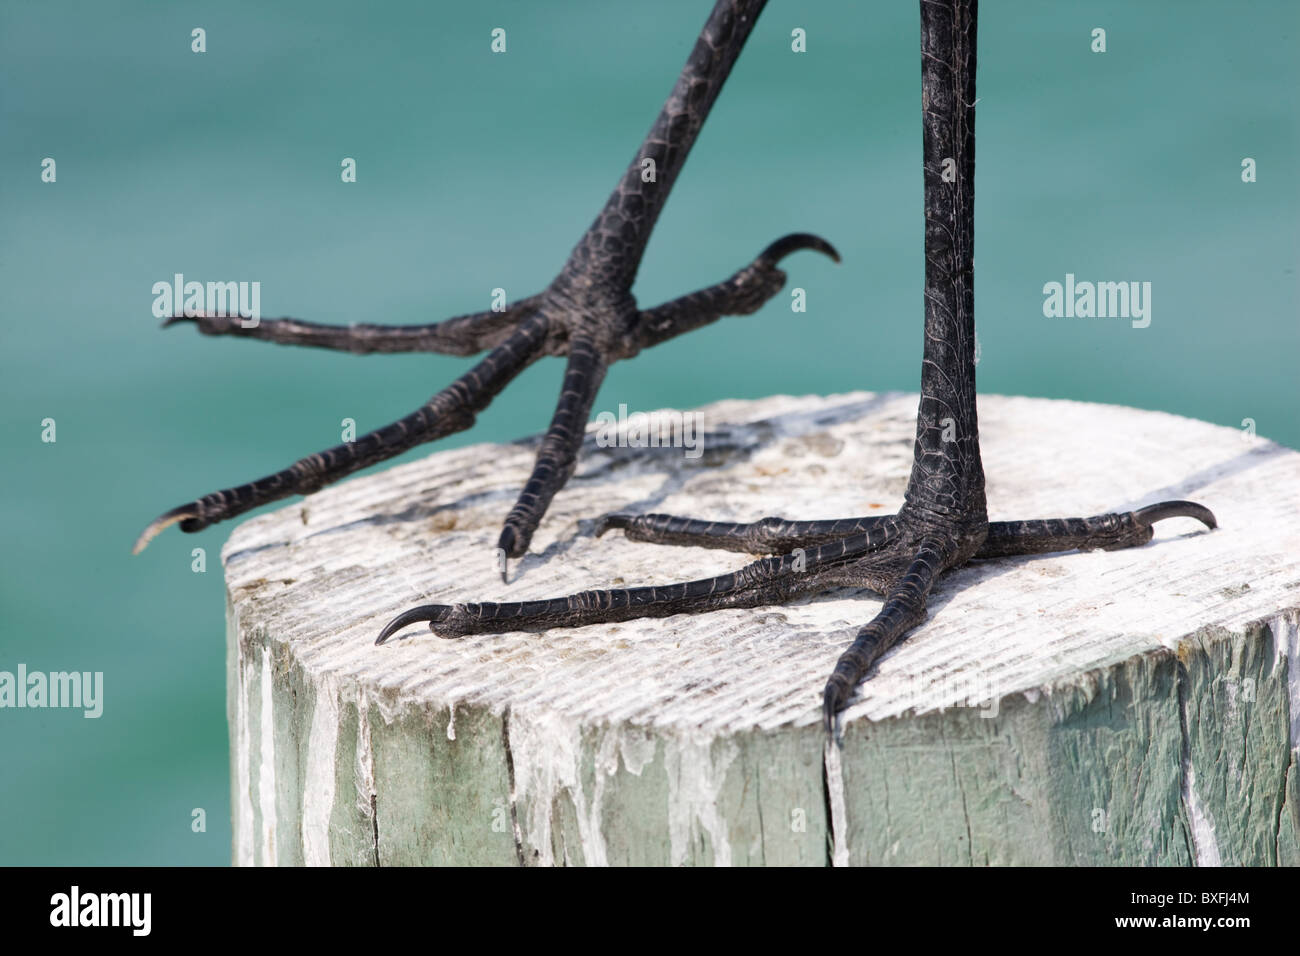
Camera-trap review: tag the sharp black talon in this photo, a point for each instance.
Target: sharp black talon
(1176, 509)
(794, 242)
(179, 318)
(426, 612)
(182, 514)
(506, 550)
(831, 703)
(610, 522)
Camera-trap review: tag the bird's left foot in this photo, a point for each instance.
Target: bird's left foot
(890, 554)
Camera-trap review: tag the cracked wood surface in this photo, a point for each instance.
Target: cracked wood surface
(1137, 706)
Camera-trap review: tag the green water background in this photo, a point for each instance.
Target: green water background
(479, 170)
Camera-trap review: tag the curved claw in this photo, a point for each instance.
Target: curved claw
(506, 545)
(433, 613)
(197, 318)
(611, 522)
(1176, 509)
(793, 243)
(181, 514)
(833, 701)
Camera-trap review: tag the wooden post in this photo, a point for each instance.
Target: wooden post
(1128, 707)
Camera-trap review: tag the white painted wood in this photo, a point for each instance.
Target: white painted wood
(640, 740)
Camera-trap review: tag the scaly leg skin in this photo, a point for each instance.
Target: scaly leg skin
(944, 520)
(770, 580)
(901, 565)
(765, 536)
(587, 313)
(1108, 532)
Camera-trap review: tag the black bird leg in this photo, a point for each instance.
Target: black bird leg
(451, 410)
(463, 335)
(587, 313)
(943, 522)
(765, 536)
(558, 455)
(1108, 532)
(771, 580)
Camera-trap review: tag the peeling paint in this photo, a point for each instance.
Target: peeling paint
(1286, 637)
(365, 759)
(1202, 823)
(695, 779)
(834, 770)
(266, 763)
(320, 776)
(547, 748)
(243, 823)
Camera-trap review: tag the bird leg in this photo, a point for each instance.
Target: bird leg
(463, 335)
(587, 313)
(943, 522)
(451, 410)
(1108, 532)
(770, 580)
(558, 455)
(765, 536)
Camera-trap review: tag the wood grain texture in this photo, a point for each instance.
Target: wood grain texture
(1135, 706)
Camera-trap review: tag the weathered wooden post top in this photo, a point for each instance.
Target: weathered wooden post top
(1137, 706)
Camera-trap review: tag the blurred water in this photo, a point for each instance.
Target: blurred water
(478, 171)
